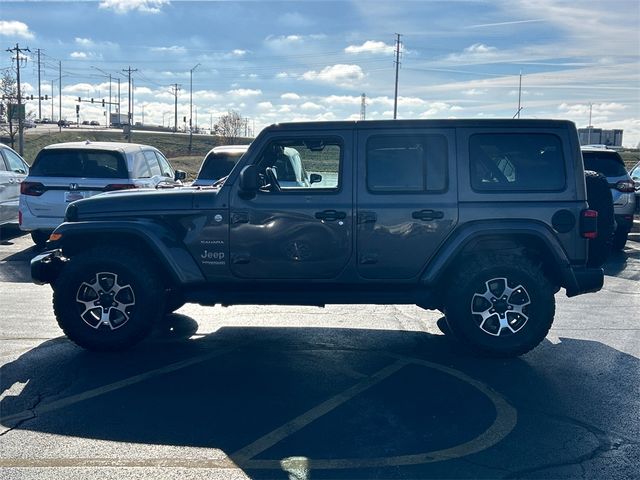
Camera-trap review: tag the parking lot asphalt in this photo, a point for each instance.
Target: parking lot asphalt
(303, 392)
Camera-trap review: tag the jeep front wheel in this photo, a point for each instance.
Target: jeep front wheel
(501, 306)
(107, 299)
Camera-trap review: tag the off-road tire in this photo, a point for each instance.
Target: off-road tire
(94, 276)
(39, 237)
(599, 199)
(528, 283)
(620, 239)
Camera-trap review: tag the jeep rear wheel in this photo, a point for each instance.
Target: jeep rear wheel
(501, 306)
(107, 299)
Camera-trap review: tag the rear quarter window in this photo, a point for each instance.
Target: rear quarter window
(610, 164)
(79, 163)
(516, 162)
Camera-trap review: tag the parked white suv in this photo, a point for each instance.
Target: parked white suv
(64, 172)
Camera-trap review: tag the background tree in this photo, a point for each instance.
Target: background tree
(230, 126)
(9, 94)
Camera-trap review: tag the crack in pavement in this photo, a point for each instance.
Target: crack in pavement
(607, 442)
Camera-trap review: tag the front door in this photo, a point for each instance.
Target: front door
(300, 224)
(406, 197)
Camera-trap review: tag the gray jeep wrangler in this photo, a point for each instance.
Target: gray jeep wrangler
(484, 220)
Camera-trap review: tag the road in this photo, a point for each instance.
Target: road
(302, 392)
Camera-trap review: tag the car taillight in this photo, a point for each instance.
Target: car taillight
(35, 189)
(589, 224)
(19, 217)
(118, 186)
(625, 186)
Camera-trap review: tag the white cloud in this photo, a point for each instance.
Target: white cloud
(142, 91)
(282, 75)
(171, 49)
(342, 100)
(479, 48)
(125, 6)
(288, 41)
(78, 55)
(339, 74)
(244, 92)
(311, 106)
(474, 92)
(13, 28)
(238, 52)
(371, 46)
(265, 106)
(79, 88)
(85, 42)
(290, 96)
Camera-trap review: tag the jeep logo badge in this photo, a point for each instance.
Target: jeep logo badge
(73, 186)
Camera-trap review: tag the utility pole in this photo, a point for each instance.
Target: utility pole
(363, 106)
(18, 51)
(589, 127)
(191, 104)
(59, 95)
(39, 90)
(519, 95)
(110, 101)
(176, 89)
(129, 93)
(395, 97)
(119, 110)
(52, 115)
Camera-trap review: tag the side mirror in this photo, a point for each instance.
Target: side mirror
(249, 183)
(180, 175)
(315, 178)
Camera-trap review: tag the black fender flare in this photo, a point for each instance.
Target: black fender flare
(169, 251)
(444, 259)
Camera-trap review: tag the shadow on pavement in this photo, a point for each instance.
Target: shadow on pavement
(347, 403)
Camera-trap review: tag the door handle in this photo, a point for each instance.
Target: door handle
(367, 217)
(427, 215)
(239, 217)
(331, 215)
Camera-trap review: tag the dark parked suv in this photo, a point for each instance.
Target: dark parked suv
(484, 220)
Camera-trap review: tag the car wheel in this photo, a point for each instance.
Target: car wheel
(39, 237)
(620, 239)
(500, 306)
(107, 299)
(599, 199)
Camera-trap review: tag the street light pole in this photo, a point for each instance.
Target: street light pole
(191, 105)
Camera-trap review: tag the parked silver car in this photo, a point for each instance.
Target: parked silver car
(609, 162)
(635, 176)
(218, 163)
(13, 170)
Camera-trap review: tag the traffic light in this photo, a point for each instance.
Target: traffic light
(46, 97)
(31, 97)
(103, 102)
(79, 99)
(91, 100)
(77, 109)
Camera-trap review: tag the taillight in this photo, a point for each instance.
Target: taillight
(589, 224)
(625, 186)
(19, 217)
(118, 186)
(35, 189)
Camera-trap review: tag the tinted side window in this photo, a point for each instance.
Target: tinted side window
(407, 163)
(152, 160)
(3, 168)
(140, 166)
(516, 162)
(304, 163)
(165, 167)
(15, 163)
(79, 163)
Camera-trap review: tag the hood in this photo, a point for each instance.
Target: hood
(139, 202)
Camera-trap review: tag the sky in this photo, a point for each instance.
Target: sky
(279, 61)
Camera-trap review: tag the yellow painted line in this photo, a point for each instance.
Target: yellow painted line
(115, 462)
(126, 382)
(505, 422)
(301, 421)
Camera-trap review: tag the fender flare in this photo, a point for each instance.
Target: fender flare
(446, 255)
(169, 251)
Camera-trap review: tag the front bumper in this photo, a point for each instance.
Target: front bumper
(46, 266)
(584, 280)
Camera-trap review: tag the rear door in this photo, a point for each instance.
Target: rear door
(13, 171)
(406, 199)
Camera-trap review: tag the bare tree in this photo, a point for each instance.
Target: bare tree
(230, 126)
(9, 93)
